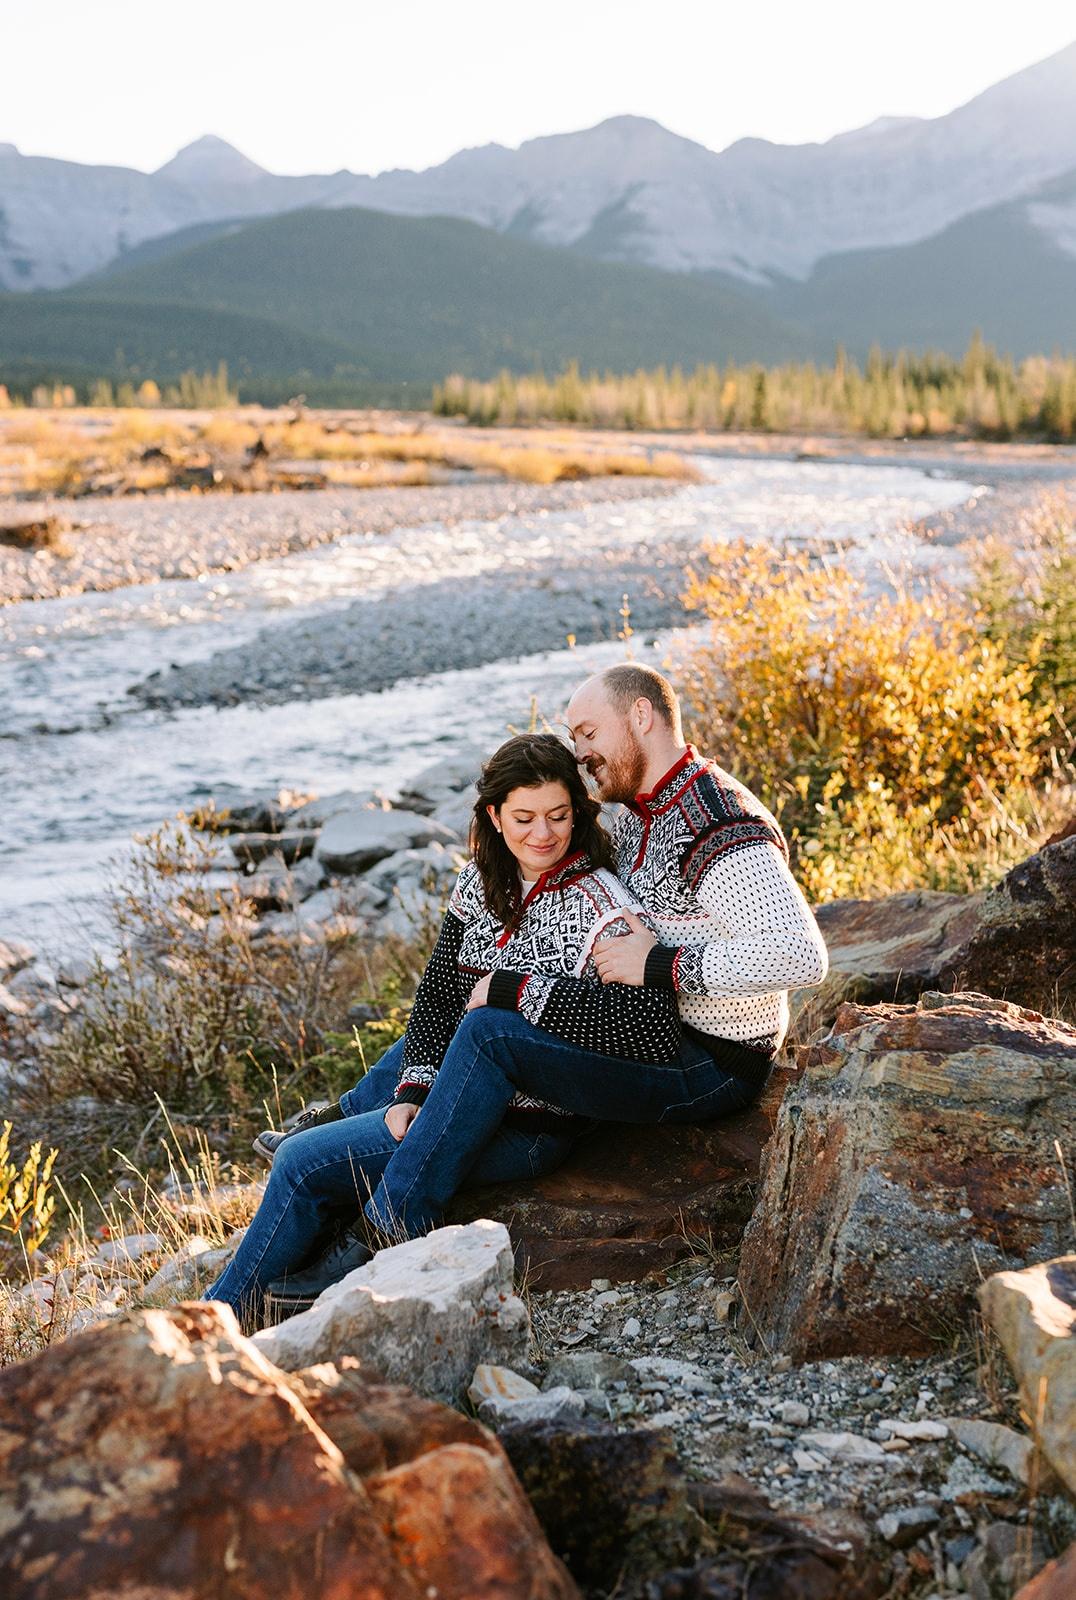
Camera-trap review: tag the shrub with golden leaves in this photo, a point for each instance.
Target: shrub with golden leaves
(898, 746)
(26, 1200)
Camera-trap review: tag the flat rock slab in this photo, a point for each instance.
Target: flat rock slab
(1016, 941)
(630, 1200)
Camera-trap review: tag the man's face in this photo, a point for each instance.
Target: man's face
(606, 744)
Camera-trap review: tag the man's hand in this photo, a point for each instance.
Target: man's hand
(399, 1117)
(623, 960)
(480, 993)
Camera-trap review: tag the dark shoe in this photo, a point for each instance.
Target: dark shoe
(268, 1143)
(346, 1252)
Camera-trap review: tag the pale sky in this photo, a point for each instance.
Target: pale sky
(313, 87)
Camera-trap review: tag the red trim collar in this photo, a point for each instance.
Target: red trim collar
(644, 803)
(577, 865)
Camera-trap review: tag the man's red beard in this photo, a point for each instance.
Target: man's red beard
(620, 777)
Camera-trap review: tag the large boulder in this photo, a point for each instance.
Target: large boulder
(426, 1313)
(630, 1200)
(916, 1154)
(161, 1456)
(1033, 1313)
(1017, 941)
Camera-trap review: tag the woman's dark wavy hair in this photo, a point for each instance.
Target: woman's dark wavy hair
(525, 762)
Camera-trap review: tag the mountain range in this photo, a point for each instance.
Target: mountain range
(619, 245)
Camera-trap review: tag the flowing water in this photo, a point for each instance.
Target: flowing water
(84, 767)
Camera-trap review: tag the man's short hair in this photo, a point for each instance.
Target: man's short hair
(626, 684)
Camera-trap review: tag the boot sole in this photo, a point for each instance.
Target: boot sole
(260, 1150)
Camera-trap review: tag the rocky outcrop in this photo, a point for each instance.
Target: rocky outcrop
(1056, 1581)
(163, 1456)
(355, 840)
(426, 1312)
(1016, 941)
(915, 1155)
(1033, 1313)
(630, 1200)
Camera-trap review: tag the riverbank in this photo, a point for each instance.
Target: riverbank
(116, 543)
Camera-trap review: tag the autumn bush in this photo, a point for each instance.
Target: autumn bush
(900, 744)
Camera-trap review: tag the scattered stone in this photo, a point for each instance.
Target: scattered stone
(913, 1430)
(794, 1412)
(14, 955)
(426, 1312)
(586, 1369)
(904, 1527)
(1005, 1557)
(132, 1247)
(681, 1372)
(1033, 1313)
(631, 1329)
(559, 1404)
(11, 1005)
(355, 840)
(498, 1383)
(1001, 1447)
(843, 1445)
(966, 1483)
(907, 1114)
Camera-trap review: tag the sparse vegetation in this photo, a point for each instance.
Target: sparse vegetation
(983, 395)
(145, 450)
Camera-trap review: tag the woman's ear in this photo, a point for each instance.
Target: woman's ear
(492, 810)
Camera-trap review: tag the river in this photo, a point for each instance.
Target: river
(85, 766)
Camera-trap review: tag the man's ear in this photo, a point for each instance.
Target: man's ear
(644, 714)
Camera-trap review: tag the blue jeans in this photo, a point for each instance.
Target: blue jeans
(493, 1054)
(325, 1175)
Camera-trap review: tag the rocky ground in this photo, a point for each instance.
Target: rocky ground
(118, 542)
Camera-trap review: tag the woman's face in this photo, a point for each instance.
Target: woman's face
(536, 825)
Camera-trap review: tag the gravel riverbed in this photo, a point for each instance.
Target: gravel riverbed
(144, 538)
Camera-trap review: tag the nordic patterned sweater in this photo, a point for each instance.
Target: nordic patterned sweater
(709, 865)
(568, 909)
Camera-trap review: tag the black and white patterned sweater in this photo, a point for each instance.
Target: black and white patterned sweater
(709, 865)
(569, 908)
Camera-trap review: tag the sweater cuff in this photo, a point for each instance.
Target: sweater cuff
(505, 989)
(660, 969)
(411, 1094)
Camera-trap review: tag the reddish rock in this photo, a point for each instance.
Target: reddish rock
(1056, 1581)
(629, 1199)
(161, 1457)
(914, 1157)
(1016, 941)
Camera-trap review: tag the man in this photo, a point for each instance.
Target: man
(731, 935)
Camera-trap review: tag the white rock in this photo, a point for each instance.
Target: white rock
(551, 1405)
(844, 1446)
(498, 1383)
(809, 1460)
(425, 1313)
(316, 813)
(897, 1428)
(13, 956)
(632, 1328)
(132, 1247)
(11, 1005)
(905, 1526)
(355, 840)
(610, 1297)
(177, 1276)
(681, 1372)
(999, 1446)
(794, 1412)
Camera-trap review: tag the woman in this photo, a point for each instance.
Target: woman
(535, 897)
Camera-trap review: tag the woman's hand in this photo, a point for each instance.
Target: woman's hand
(623, 960)
(480, 993)
(399, 1117)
